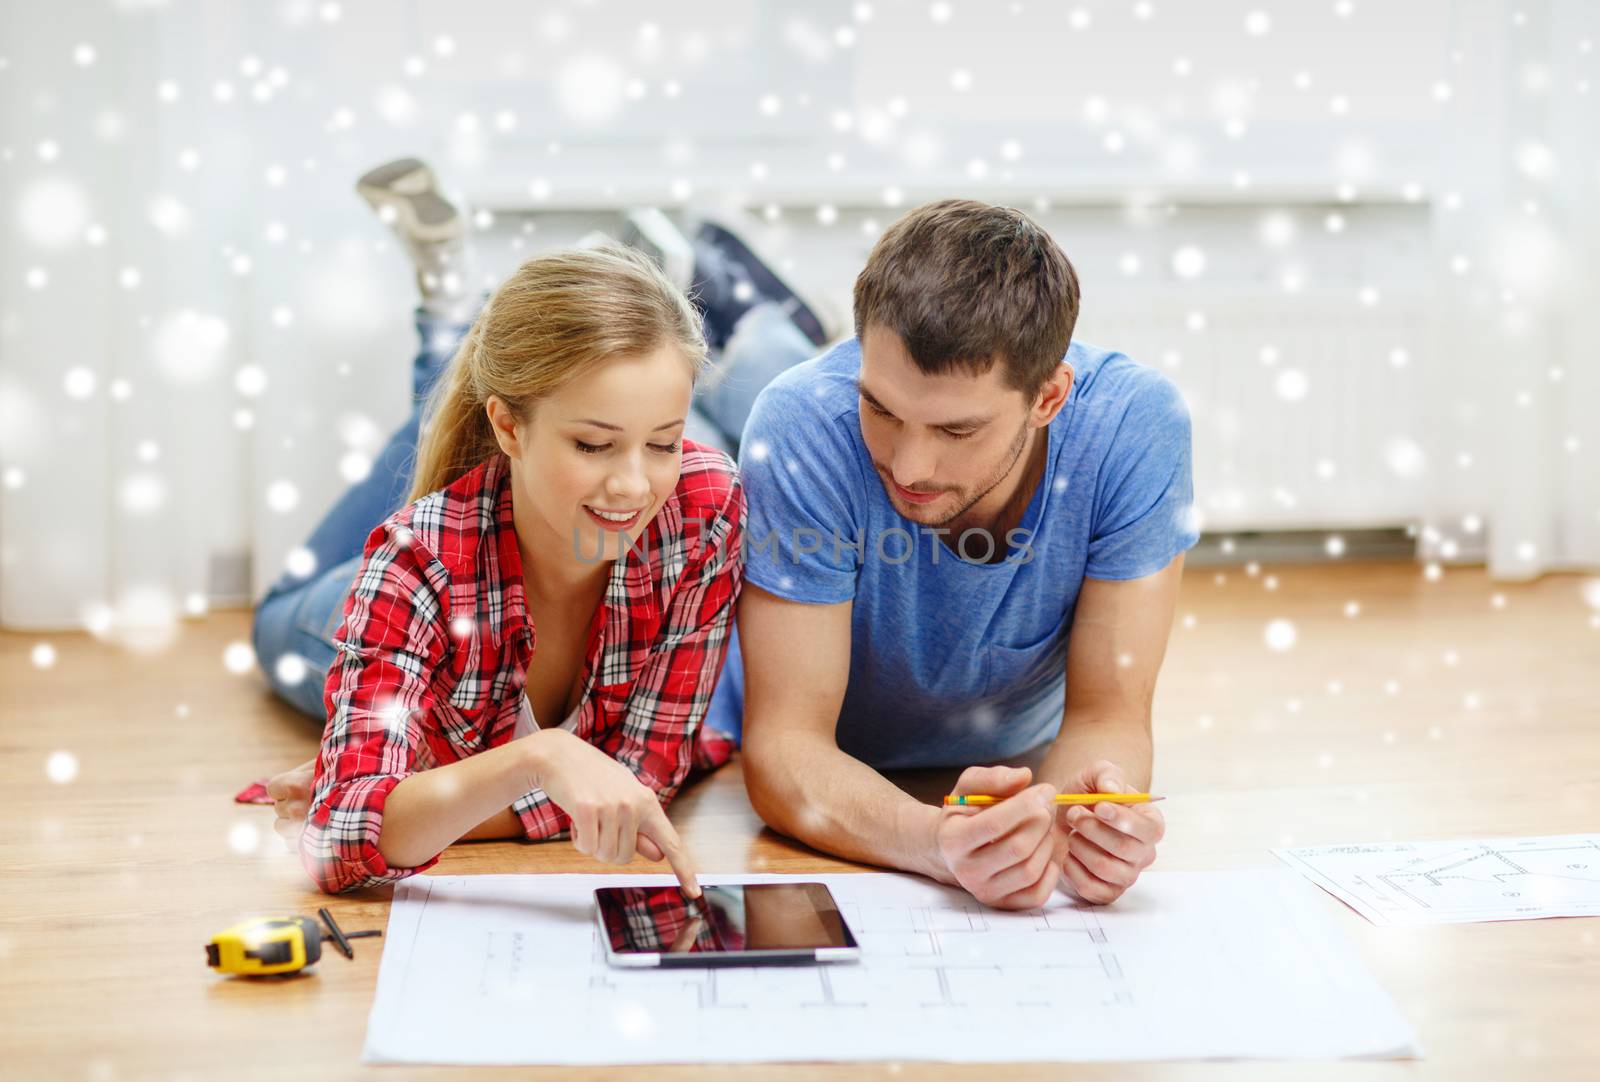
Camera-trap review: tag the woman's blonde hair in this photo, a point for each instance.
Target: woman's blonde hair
(558, 315)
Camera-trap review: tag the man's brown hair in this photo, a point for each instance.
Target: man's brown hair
(967, 285)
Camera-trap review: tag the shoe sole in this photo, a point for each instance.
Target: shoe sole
(389, 175)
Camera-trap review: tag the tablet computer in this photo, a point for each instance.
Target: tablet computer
(754, 924)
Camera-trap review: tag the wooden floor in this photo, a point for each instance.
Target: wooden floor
(1442, 709)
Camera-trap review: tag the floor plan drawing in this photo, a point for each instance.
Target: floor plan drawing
(1453, 882)
(510, 969)
(926, 957)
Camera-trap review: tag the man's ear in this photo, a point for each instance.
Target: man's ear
(1053, 395)
(504, 425)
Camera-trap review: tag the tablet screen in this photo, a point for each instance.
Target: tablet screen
(760, 917)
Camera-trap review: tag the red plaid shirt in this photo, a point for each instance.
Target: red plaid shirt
(433, 653)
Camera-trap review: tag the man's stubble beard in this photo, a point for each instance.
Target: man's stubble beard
(1018, 445)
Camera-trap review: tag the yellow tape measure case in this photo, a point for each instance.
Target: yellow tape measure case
(266, 946)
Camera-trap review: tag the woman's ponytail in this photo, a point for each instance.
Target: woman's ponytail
(456, 435)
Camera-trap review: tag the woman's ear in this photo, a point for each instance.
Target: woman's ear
(504, 425)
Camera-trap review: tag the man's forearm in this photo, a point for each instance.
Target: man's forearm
(805, 787)
(1086, 739)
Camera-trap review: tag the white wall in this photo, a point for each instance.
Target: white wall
(1426, 127)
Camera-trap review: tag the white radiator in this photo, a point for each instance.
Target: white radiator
(1304, 406)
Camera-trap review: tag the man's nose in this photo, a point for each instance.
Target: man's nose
(912, 463)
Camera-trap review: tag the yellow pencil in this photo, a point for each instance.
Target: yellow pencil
(1061, 798)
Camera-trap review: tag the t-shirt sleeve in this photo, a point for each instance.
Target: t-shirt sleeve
(802, 481)
(1144, 499)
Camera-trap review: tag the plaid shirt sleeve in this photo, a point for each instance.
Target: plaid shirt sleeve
(377, 696)
(661, 719)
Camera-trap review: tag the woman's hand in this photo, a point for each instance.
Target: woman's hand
(291, 797)
(613, 814)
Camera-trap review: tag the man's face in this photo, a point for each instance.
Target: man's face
(940, 443)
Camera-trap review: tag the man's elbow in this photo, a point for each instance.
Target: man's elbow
(769, 777)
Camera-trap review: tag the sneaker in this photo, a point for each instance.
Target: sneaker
(653, 233)
(730, 279)
(406, 196)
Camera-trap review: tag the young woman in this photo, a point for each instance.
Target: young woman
(529, 646)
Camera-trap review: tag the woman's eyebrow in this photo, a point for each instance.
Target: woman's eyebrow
(618, 428)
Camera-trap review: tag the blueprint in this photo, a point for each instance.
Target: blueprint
(1457, 882)
(510, 970)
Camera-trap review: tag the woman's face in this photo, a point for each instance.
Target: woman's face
(596, 460)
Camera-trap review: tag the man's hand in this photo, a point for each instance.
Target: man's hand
(1006, 854)
(291, 797)
(1109, 844)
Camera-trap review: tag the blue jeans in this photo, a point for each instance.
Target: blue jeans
(299, 614)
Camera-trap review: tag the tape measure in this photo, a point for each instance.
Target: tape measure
(266, 946)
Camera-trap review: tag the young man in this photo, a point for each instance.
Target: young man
(965, 542)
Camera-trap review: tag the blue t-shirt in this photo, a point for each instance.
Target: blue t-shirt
(956, 662)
